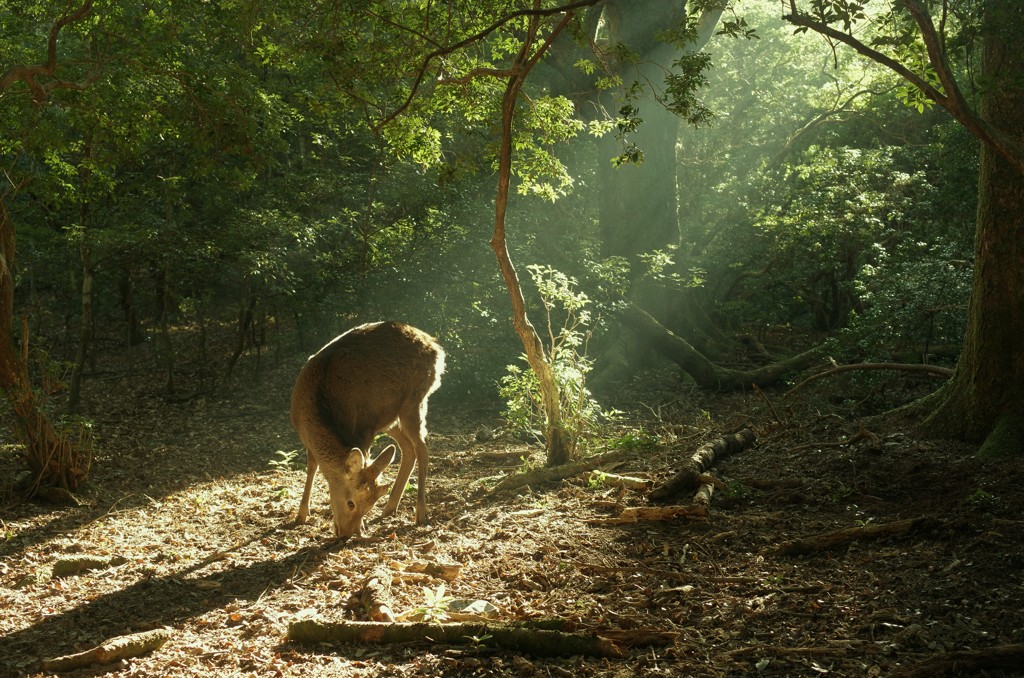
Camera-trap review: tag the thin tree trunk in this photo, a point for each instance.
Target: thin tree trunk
(560, 445)
(85, 323)
(166, 347)
(247, 304)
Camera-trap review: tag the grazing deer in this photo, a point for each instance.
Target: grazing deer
(373, 378)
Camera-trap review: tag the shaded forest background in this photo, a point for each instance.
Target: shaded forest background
(214, 189)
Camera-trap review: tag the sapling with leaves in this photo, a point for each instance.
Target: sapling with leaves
(567, 328)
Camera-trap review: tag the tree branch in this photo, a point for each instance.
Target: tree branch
(952, 100)
(469, 40)
(806, 21)
(934, 370)
(30, 74)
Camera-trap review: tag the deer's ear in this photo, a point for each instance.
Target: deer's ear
(381, 462)
(354, 462)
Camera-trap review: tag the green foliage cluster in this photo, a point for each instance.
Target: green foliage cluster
(819, 200)
(567, 327)
(222, 172)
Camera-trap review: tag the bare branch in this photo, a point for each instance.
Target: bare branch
(835, 111)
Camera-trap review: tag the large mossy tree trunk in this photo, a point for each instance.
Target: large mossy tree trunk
(984, 401)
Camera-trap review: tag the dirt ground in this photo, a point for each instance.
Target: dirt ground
(189, 508)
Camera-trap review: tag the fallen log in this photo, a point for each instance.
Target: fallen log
(827, 540)
(537, 642)
(115, 649)
(688, 479)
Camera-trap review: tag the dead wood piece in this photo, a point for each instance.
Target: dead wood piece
(703, 496)
(538, 642)
(827, 540)
(960, 661)
(445, 571)
(688, 478)
(374, 598)
(115, 649)
(635, 514)
(615, 480)
(552, 474)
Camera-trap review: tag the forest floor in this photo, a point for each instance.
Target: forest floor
(189, 511)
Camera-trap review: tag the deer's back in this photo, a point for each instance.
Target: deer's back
(363, 380)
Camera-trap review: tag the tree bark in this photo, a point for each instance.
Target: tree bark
(984, 401)
(638, 202)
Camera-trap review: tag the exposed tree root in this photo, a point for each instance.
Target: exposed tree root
(706, 373)
(827, 540)
(960, 661)
(933, 370)
(1006, 438)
